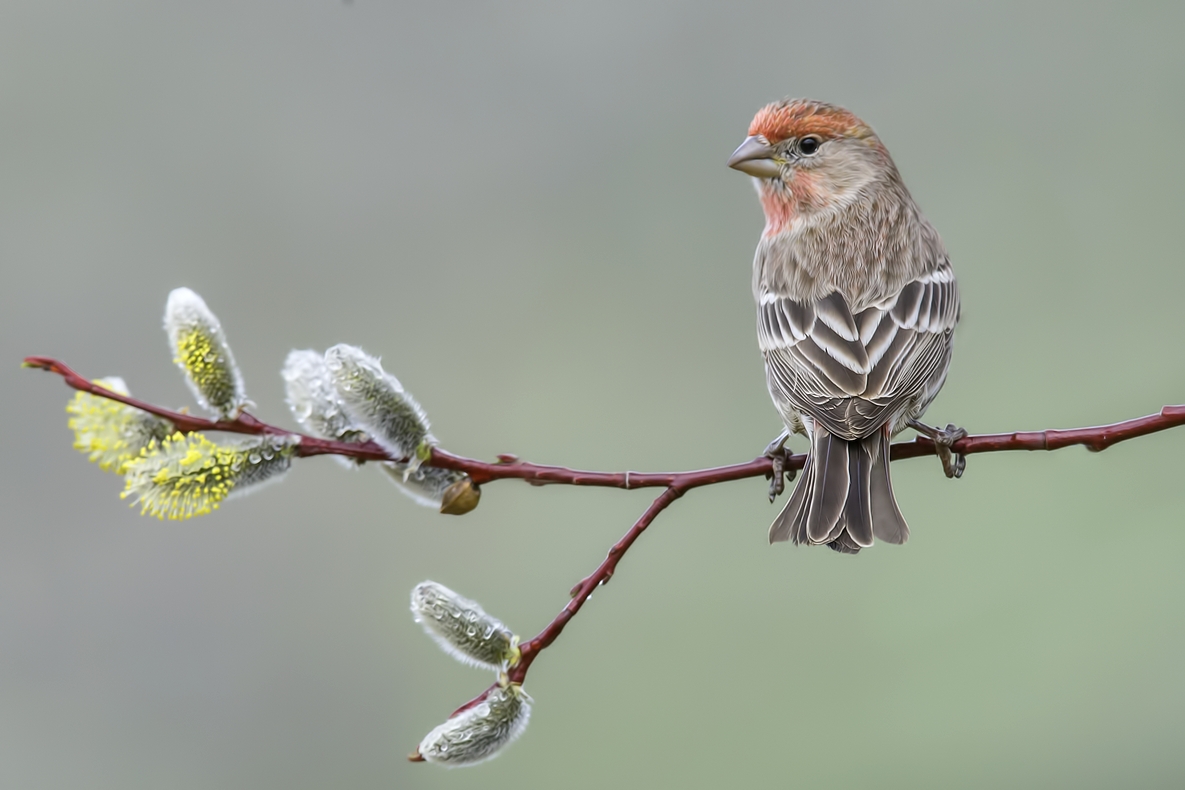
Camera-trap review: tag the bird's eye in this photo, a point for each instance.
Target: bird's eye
(807, 146)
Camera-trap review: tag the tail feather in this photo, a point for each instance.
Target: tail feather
(889, 524)
(844, 497)
(829, 457)
(844, 544)
(791, 522)
(857, 510)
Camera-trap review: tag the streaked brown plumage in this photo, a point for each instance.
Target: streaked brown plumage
(856, 310)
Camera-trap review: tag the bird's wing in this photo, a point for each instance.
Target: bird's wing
(852, 372)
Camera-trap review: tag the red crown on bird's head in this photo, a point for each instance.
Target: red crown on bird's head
(797, 118)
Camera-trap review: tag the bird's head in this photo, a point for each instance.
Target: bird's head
(807, 157)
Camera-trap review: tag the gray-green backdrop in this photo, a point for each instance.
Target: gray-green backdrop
(525, 210)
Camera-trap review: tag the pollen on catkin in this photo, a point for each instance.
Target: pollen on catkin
(462, 628)
(200, 349)
(110, 433)
(376, 402)
(188, 475)
(481, 732)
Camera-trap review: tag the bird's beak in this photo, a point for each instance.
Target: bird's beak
(755, 157)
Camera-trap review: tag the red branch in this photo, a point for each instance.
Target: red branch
(675, 483)
(601, 576)
(509, 467)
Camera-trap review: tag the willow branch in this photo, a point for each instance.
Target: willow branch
(675, 484)
(508, 467)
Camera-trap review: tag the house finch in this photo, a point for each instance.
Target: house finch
(856, 311)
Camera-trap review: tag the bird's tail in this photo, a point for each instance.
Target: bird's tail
(844, 497)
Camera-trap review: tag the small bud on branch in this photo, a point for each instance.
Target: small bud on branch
(447, 490)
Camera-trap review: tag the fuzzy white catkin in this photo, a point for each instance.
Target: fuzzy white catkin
(462, 628)
(375, 401)
(200, 349)
(315, 404)
(481, 732)
(313, 400)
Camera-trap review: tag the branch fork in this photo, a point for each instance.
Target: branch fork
(673, 484)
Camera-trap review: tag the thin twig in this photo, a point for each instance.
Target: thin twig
(601, 576)
(581, 593)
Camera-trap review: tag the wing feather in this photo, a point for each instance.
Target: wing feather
(849, 352)
(927, 302)
(801, 315)
(905, 309)
(833, 311)
(853, 373)
(826, 366)
(868, 322)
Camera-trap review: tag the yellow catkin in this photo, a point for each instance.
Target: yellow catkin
(207, 368)
(200, 349)
(188, 475)
(110, 433)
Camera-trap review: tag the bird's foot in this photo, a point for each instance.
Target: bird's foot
(953, 464)
(777, 453)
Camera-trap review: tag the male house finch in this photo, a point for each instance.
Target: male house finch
(856, 311)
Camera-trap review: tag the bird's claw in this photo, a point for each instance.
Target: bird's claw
(953, 464)
(779, 473)
(777, 478)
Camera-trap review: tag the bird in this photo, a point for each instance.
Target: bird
(856, 311)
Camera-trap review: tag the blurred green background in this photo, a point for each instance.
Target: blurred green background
(525, 210)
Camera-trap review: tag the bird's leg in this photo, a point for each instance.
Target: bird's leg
(944, 439)
(776, 446)
(776, 452)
